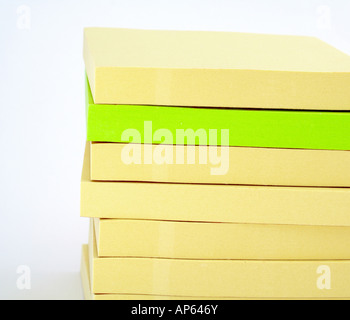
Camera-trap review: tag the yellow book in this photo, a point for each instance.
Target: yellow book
(213, 203)
(219, 241)
(215, 69)
(225, 165)
(88, 295)
(218, 278)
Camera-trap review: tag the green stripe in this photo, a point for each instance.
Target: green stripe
(248, 128)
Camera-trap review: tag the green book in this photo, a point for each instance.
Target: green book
(222, 127)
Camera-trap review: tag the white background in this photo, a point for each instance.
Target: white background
(42, 128)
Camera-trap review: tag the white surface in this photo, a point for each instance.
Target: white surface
(42, 131)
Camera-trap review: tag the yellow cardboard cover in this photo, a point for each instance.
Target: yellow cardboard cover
(88, 295)
(234, 165)
(217, 241)
(215, 69)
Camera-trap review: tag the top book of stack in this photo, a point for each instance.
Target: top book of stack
(215, 69)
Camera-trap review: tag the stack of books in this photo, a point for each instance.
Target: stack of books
(217, 166)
